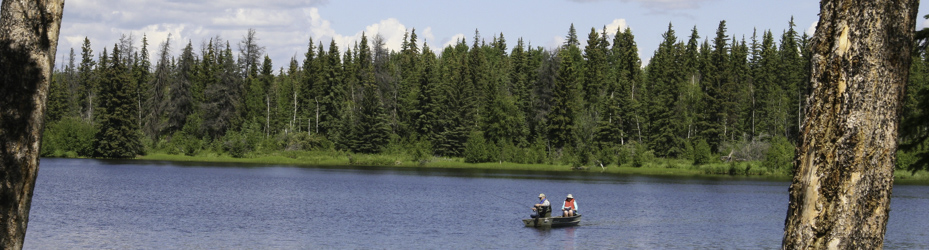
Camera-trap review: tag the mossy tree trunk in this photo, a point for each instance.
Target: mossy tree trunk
(28, 39)
(840, 195)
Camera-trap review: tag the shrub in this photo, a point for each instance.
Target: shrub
(476, 149)
(702, 154)
(236, 144)
(537, 153)
(421, 152)
(623, 155)
(780, 156)
(68, 137)
(182, 143)
(641, 155)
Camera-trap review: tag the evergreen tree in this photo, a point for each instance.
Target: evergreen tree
(221, 92)
(409, 89)
(141, 72)
(627, 73)
(57, 104)
(306, 95)
(180, 101)
(87, 85)
(594, 78)
(716, 79)
(160, 84)
(561, 124)
(790, 73)
(665, 81)
(118, 134)
(429, 110)
(372, 130)
(332, 91)
(771, 97)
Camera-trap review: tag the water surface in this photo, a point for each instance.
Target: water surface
(80, 203)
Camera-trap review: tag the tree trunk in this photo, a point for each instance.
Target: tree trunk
(28, 39)
(840, 195)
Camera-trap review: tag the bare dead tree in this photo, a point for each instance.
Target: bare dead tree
(28, 38)
(840, 195)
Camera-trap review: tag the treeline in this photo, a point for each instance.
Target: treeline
(584, 102)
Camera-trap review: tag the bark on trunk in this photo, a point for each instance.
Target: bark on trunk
(840, 195)
(28, 39)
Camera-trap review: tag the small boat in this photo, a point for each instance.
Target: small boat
(553, 221)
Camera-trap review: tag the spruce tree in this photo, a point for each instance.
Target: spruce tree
(180, 100)
(87, 81)
(118, 133)
(372, 130)
(665, 80)
(717, 77)
(561, 124)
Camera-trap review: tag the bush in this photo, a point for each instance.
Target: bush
(421, 152)
(702, 154)
(737, 168)
(605, 156)
(69, 137)
(623, 155)
(182, 143)
(236, 144)
(296, 141)
(641, 155)
(476, 150)
(537, 153)
(780, 156)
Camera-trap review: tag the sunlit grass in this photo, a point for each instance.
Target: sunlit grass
(658, 166)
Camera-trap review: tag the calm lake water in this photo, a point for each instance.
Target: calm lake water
(97, 204)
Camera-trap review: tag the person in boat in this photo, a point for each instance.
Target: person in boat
(542, 208)
(569, 207)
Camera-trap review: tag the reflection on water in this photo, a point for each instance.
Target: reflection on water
(147, 205)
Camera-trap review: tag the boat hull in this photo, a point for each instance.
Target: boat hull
(553, 221)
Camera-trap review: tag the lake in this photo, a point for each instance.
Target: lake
(82, 203)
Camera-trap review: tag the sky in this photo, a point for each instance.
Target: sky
(284, 27)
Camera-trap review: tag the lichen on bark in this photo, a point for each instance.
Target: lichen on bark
(840, 194)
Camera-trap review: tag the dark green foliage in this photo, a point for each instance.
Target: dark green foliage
(640, 154)
(666, 80)
(118, 134)
(575, 105)
(780, 156)
(236, 144)
(421, 151)
(70, 137)
(561, 123)
(913, 153)
(57, 105)
(702, 153)
(477, 149)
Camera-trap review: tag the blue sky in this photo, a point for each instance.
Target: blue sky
(284, 26)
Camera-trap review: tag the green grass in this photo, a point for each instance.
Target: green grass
(335, 158)
(656, 167)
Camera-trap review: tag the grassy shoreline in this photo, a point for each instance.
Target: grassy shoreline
(438, 163)
(659, 167)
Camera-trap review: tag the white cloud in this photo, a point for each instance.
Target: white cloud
(283, 26)
(556, 42)
(428, 37)
(616, 25)
(812, 29)
(452, 41)
(658, 6)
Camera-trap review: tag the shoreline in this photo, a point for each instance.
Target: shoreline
(673, 168)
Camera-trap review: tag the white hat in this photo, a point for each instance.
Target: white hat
(541, 195)
(570, 196)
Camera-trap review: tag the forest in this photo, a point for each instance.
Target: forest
(593, 102)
